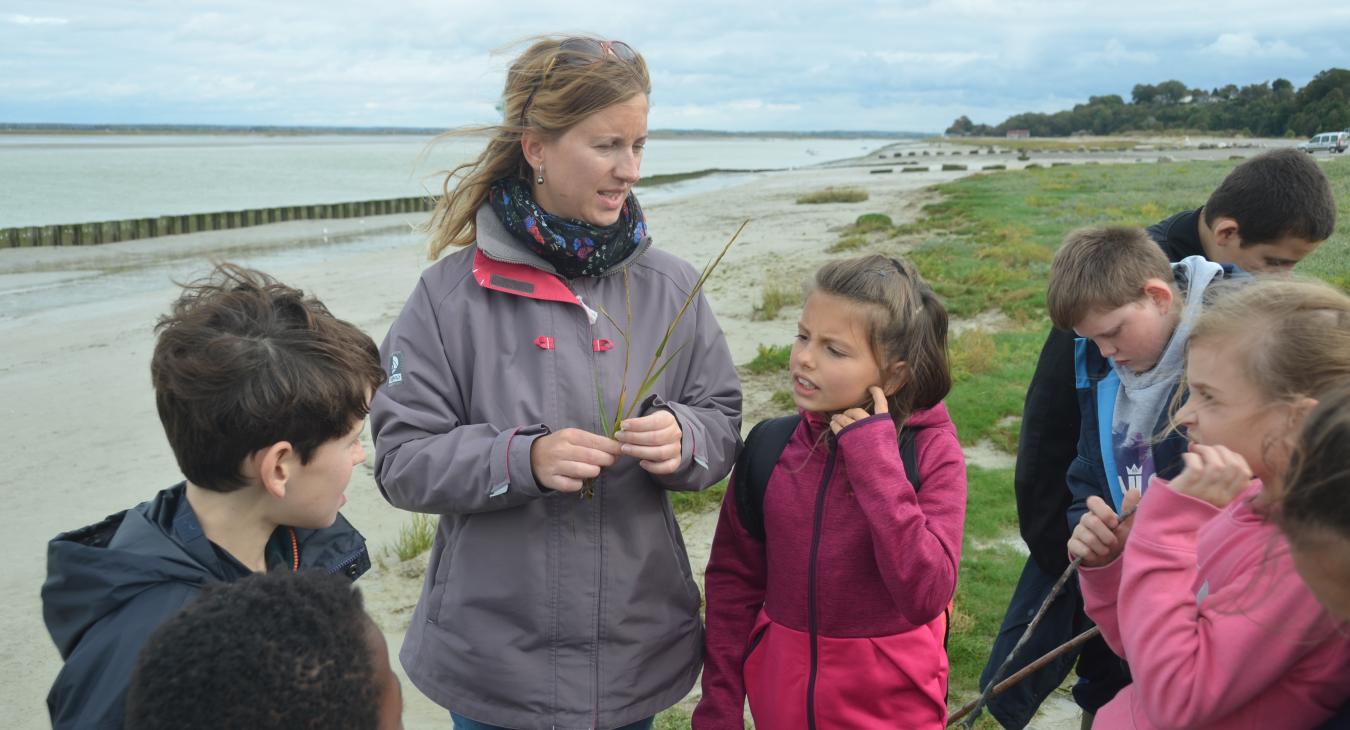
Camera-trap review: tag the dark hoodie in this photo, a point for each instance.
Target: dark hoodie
(109, 585)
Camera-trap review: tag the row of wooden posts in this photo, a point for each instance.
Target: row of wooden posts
(89, 234)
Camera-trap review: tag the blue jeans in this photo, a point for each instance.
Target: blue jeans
(464, 723)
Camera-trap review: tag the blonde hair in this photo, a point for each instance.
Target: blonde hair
(559, 95)
(1100, 269)
(1294, 334)
(906, 323)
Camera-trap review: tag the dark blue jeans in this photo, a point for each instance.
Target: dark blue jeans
(464, 723)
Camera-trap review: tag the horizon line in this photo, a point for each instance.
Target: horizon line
(389, 129)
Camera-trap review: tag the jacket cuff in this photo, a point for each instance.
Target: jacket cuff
(1167, 517)
(510, 469)
(876, 419)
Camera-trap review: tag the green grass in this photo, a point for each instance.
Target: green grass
(783, 401)
(868, 222)
(1044, 144)
(773, 299)
(834, 195)
(415, 538)
(847, 243)
(672, 719)
(990, 385)
(702, 501)
(769, 359)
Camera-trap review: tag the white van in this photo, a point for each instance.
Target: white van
(1329, 141)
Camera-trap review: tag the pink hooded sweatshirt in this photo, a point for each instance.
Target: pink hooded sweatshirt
(1218, 629)
(838, 618)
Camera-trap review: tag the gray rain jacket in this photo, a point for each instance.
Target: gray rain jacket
(542, 609)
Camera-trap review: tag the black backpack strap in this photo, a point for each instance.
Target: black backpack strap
(763, 446)
(909, 455)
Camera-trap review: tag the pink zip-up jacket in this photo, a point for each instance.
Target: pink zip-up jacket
(1218, 629)
(838, 618)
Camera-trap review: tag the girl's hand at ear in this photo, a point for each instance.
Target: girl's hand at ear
(1100, 535)
(1214, 474)
(839, 420)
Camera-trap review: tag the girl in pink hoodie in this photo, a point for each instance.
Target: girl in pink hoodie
(826, 598)
(1198, 591)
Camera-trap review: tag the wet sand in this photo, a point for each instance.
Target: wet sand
(82, 439)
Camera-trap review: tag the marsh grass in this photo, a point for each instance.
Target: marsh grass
(415, 537)
(773, 299)
(869, 222)
(847, 243)
(701, 501)
(834, 195)
(1054, 144)
(769, 359)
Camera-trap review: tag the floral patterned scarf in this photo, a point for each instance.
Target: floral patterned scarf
(575, 248)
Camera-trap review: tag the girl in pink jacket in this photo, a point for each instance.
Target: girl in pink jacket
(827, 593)
(1198, 591)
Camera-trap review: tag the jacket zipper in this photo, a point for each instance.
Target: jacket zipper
(811, 588)
(599, 533)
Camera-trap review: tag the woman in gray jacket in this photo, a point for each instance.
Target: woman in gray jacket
(547, 605)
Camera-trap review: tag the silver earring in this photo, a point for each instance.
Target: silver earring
(539, 180)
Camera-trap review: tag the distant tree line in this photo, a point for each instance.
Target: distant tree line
(1268, 109)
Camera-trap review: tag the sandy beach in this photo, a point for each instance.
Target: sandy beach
(82, 439)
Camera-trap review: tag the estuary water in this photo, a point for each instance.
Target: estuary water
(79, 178)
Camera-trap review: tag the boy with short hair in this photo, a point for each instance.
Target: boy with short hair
(272, 651)
(1270, 211)
(1132, 311)
(262, 393)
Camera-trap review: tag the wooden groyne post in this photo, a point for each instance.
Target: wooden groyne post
(131, 229)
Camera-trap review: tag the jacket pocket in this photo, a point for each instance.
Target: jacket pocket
(755, 640)
(438, 571)
(678, 551)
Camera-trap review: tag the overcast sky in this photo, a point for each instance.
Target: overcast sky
(716, 64)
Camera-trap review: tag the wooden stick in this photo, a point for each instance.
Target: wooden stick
(1031, 629)
(1029, 669)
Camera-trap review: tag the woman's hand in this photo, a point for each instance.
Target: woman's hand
(1100, 535)
(1214, 474)
(563, 459)
(840, 420)
(654, 440)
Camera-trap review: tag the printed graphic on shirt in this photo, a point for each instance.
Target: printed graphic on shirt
(396, 368)
(1134, 461)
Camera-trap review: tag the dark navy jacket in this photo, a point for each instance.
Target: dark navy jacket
(1093, 471)
(109, 585)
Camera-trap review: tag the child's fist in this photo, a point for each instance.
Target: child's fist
(1214, 474)
(1100, 535)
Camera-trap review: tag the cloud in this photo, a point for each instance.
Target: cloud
(1116, 54)
(32, 20)
(867, 64)
(1245, 45)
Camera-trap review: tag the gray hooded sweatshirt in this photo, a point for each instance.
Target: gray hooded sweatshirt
(542, 609)
(1143, 396)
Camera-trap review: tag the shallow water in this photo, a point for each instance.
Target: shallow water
(50, 179)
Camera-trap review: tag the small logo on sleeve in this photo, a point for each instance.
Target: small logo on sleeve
(396, 368)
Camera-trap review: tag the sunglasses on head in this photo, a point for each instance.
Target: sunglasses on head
(580, 52)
